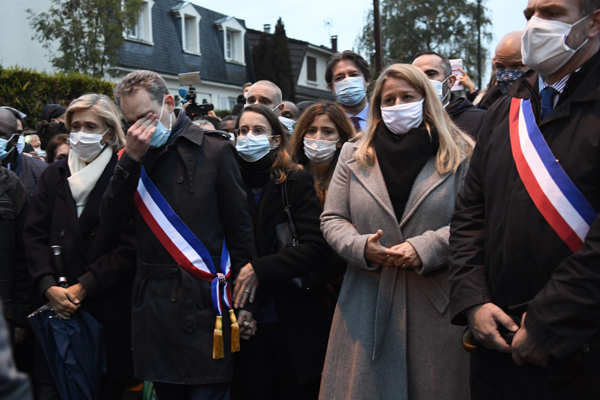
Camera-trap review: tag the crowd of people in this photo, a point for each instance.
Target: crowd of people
(402, 242)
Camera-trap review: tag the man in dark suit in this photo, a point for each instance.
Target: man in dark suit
(529, 293)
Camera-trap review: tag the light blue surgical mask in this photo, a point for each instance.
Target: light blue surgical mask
(350, 91)
(3, 152)
(288, 123)
(21, 144)
(161, 134)
(253, 147)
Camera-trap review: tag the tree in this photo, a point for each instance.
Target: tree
(409, 27)
(271, 58)
(89, 33)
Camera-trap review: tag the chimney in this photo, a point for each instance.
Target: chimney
(267, 28)
(334, 43)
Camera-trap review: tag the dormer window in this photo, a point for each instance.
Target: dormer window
(190, 27)
(142, 31)
(233, 40)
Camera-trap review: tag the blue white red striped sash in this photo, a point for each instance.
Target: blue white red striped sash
(554, 194)
(181, 243)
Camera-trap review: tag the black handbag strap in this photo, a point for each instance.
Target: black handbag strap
(288, 212)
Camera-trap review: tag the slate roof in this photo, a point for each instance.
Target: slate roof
(167, 55)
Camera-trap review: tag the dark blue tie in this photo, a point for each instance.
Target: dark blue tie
(548, 101)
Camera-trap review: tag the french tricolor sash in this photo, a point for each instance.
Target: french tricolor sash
(189, 253)
(554, 194)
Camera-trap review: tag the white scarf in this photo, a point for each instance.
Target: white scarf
(84, 176)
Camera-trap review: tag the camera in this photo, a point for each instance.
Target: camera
(193, 109)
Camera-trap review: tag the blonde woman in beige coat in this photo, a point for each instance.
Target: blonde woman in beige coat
(388, 213)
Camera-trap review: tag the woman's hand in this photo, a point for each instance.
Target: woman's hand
(247, 324)
(60, 302)
(376, 253)
(245, 286)
(405, 256)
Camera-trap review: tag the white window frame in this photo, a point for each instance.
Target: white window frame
(146, 35)
(189, 11)
(238, 33)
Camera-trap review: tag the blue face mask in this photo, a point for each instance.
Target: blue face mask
(350, 91)
(288, 123)
(3, 152)
(253, 147)
(161, 134)
(21, 144)
(507, 77)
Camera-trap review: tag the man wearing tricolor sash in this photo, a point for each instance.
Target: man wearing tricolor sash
(525, 236)
(183, 189)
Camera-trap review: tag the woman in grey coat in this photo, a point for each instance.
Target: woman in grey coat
(388, 213)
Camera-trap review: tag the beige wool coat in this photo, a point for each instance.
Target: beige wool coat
(391, 336)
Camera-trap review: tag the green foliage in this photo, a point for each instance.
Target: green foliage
(272, 61)
(409, 27)
(88, 33)
(29, 91)
(222, 113)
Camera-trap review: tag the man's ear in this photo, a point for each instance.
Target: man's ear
(280, 107)
(451, 81)
(170, 102)
(595, 31)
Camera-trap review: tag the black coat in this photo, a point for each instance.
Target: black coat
(502, 249)
(465, 115)
(173, 316)
(13, 267)
(101, 261)
(29, 170)
(304, 315)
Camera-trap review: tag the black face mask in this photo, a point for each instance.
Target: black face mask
(256, 174)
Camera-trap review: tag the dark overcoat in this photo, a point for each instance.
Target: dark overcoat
(173, 316)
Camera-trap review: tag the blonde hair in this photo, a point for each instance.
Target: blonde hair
(455, 145)
(106, 110)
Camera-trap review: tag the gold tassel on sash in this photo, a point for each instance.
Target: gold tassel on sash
(218, 347)
(235, 332)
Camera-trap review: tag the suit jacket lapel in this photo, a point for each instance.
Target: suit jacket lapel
(372, 180)
(427, 180)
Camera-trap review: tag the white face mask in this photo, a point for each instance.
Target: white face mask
(401, 118)
(319, 151)
(288, 123)
(544, 45)
(86, 145)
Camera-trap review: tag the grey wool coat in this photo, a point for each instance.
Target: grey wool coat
(391, 336)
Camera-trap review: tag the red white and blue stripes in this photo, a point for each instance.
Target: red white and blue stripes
(554, 194)
(181, 243)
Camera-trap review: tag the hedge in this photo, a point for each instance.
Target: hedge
(28, 90)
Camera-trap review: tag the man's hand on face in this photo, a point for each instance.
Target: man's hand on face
(139, 134)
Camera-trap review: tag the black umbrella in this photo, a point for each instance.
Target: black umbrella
(73, 348)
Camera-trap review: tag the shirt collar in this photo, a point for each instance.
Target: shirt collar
(558, 86)
(363, 114)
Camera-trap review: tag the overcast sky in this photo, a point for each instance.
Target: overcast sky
(316, 20)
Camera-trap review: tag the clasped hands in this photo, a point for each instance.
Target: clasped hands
(402, 255)
(65, 302)
(484, 321)
(244, 291)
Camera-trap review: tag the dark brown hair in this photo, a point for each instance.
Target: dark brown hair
(345, 131)
(53, 145)
(283, 161)
(356, 58)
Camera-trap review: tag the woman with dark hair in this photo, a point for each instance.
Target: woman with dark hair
(65, 211)
(320, 134)
(284, 358)
(58, 148)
